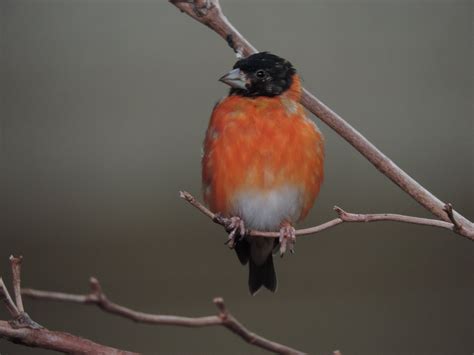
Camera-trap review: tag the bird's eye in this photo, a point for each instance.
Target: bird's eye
(260, 74)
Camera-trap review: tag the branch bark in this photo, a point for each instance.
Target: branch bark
(343, 217)
(52, 340)
(21, 329)
(209, 13)
(223, 318)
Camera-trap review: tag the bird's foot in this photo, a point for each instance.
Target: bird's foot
(287, 238)
(235, 226)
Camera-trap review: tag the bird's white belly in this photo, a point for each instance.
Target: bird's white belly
(266, 209)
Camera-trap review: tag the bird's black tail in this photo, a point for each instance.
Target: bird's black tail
(259, 275)
(262, 275)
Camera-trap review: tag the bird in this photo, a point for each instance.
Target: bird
(263, 161)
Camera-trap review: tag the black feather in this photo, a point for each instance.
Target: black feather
(277, 78)
(242, 248)
(262, 275)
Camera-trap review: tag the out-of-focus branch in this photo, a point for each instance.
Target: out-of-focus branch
(20, 319)
(16, 271)
(21, 329)
(343, 217)
(52, 340)
(223, 318)
(98, 298)
(209, 13)
(7, 300)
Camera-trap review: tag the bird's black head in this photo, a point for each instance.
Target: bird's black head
(261, 74)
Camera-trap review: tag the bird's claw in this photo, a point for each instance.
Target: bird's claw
(236, 229)
(287, 239)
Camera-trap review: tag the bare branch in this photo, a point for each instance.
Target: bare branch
(378, 217)
(21, 319)
(52, 340)
(236, 327)
(98, 298)
(7, 300)
(450, 212)
(224, 317)
(23, 330)
(16, 271)
(210, 14)
(343, 217)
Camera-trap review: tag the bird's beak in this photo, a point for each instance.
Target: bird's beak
(235, 78)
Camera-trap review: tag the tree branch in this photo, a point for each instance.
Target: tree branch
(209, 13)
(223, 318)
(25, 331)
(52, 340)
(7, 300)
(22, 329)
(343, 217)
(98, 298)
(16, 271)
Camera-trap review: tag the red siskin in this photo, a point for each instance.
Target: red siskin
(263, 160)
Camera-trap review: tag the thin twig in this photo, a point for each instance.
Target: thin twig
(223, 318)
(236, 327)
(450, 212)
(7, 300)
(21, 329)
(210, 13)
(16, 271)
(343, 217)
(20, 319)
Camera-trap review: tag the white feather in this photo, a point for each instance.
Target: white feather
(265, 210)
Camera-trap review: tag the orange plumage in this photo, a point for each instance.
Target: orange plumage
(263, 159)
(250, 139)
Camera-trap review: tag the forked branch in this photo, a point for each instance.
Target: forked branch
(22, 329)
(209, 13)
(224, 318)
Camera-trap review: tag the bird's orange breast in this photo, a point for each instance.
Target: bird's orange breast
(261, 144)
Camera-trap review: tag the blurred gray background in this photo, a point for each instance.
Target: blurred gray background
(104, 108)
